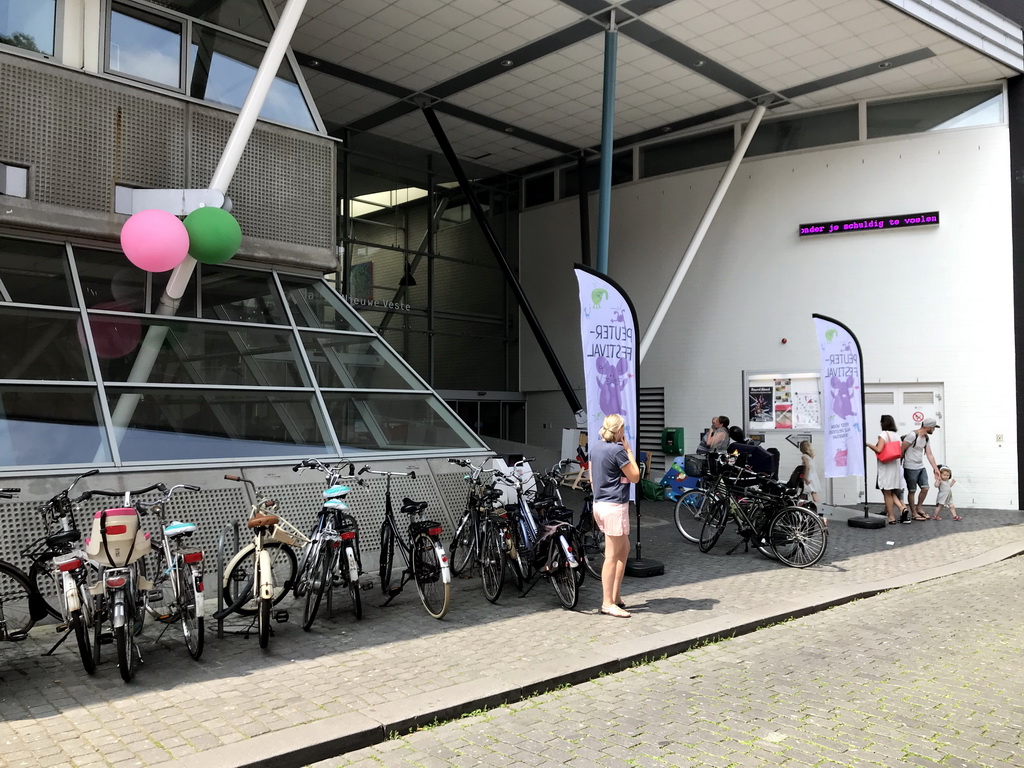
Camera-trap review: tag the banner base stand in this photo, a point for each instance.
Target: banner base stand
(644, 567)
(867, 521)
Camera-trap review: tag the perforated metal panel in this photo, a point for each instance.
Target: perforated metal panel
(81, 135)
(284, 186)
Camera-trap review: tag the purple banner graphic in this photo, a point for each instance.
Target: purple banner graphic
(842, 415)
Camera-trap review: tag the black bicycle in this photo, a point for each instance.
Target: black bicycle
(467, 543)
(426, 562)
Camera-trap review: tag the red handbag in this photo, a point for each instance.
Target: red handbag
(891, 451)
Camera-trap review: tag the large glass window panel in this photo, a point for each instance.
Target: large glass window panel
(538, 190)
(407, 334)
(687, 152)
(236, 294)
(936, 113)
(355, 363)
(833, 127)
(243, 16)
(201, 353)
(315, 305)
(622, 172)
(51, 425)
(42, 345)
(110, 281)
(221, 68)
(35, 273)
(145, 45)
(474, 355)
(29, 24)
(395, 422)
(189, 424)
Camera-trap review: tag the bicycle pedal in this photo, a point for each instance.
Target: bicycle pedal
(281, 616)
(366, 586)
(107, 638)
(394, 592)
(155, 595)
(63, 627)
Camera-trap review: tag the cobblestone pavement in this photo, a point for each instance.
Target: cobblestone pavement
(398, 658)
(923, 676)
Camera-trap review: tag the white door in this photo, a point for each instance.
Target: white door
(909, 405)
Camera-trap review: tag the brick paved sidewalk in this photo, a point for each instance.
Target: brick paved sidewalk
(398, 667)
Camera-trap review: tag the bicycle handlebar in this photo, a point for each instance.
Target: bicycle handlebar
(366, 469)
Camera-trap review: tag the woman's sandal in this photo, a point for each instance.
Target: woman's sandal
(957, 517)
(936, 517)
(616, 612)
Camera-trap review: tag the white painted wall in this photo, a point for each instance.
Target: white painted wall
(928, 305)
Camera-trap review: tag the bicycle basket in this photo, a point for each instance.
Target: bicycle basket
(286, 533)
(695, 464)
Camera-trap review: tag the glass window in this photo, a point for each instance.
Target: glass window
(395, 422)
(198, 353)
(622, 171)
(51, 425)
(29, 24)
(539, 190)
(110, 281)
(188, 424)
(353, 362)
(685, 153)
(936, 113)
(314, 305)
(222, 67)
(145, 46)
(239, 295)
(42, 345)
(833, 127)
(35, 273)
(243, 16)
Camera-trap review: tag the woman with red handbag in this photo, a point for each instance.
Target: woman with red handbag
(889, 475)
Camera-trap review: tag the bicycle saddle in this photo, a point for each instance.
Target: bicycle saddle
(262, 521)
(410, 507)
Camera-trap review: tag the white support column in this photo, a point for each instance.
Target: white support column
(151, 344)
(702, 230)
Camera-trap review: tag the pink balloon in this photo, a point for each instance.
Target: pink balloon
(155, 241)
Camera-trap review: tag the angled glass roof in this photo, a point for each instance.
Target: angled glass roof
(257, 366)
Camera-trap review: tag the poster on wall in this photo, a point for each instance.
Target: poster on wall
(759, 408)
(806, 410)
(783, 415)
(783, 390)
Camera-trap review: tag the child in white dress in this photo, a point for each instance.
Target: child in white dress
(946, 483)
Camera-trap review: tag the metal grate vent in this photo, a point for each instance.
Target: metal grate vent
(284, 184)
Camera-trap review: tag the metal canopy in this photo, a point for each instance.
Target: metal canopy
(517, 83)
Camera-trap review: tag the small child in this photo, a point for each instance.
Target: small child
(946, 483)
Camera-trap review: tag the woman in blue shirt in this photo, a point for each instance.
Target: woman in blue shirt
(612, 469)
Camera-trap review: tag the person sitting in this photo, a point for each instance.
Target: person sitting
(752, 455)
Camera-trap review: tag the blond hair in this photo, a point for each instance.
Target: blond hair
(806, 448)
(613, 424)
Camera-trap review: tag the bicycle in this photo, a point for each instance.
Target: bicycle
(178, 586)
(63, 577)
(263, 572)
(532, 551)
(21, 605)
(332, 556)
(117, 547)
(467, 543)
(589, 537)
(765, 515)
(425, 559)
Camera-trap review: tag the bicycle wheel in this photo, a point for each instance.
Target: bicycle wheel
(319, 578)
(464, 543)
(263, 622)
(592, 539)
(283, 565)
(717, 513)
(48, 586)
(16, 617)
(98, 617)
(798, 537)
(435, 594)
(387, 556)
(578, 552)
(516, 568)
(78, 625)
(690, 513)
(127, 651)
(192, 625)
(562, 578)
(492, 561)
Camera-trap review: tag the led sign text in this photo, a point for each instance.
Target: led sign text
(903, 221)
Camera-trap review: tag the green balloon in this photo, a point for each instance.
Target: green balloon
(213, 235)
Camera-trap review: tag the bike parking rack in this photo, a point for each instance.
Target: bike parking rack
(221, 562)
